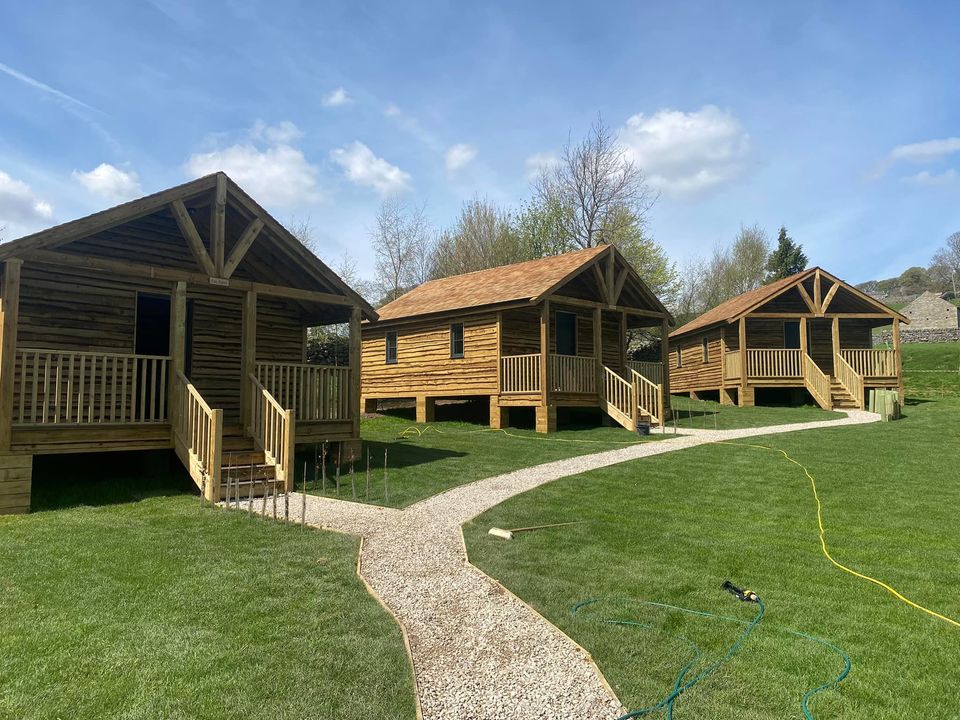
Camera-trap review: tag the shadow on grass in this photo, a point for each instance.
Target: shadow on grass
(401, 453)
(65, 481)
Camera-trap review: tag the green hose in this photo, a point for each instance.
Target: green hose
(680, 686)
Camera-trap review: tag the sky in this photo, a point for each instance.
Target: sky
(840, 121)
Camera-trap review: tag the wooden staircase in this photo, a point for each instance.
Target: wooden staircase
(626, 401)
(840, 398)
(244, 469)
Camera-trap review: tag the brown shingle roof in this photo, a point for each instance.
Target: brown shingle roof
(735, 307)
(509, 283)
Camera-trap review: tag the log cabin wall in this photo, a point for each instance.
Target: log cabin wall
(424, 365)
(520, 329)
(694, 373)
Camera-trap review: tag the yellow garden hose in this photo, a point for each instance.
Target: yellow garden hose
(823, 541)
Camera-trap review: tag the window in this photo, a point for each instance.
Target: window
(391, 347)
(679, 356)
(456, 340)
(705, 344)
(566, 333)
(791, 335)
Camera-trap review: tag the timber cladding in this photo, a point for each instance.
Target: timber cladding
(693, 373)
(424, 365)
(15, 477)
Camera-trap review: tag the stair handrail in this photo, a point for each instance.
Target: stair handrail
(817, 382)
(272, 428)
(649, 396)
(198, 428)
(850, 379)
(618, 394)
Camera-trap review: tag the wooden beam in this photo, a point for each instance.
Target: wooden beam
(218, 213)
(601, 282)
(817, 296)
(9, 315)
(804, 343)
(618, 286)
(499, 353)
(598, 347)
(124, 267)
(829, 297)
(250, 234)
(609, 275)
(743, 357)
(835, 334)
(566, 300)
(190, 234)
(355, 370)
(178, 348)
(896, 357)
(665, 371)
(723, 358)
(544, 353)
(622, 341)
(808, 301)
(248, 358)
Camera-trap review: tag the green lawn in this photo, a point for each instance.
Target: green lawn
(425, 460)
(122, 598)
(672, 528)
(711, 415)
(931, 369)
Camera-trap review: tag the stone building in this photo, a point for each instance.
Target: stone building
(932, 319)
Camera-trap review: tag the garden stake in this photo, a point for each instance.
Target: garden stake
(274, 501)
(250, 496)
(323, 469)
(286, 507)
(386, 487)
(368, 474)
(263, 508)
(203, 489)
(337, 472)
(353, 481)
(303, 500)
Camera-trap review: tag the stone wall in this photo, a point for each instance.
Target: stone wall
(930, 311)
(920, 335)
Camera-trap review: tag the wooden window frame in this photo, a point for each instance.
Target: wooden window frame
(705, 344)
(454, 355)
(386, 347)
(679, 355)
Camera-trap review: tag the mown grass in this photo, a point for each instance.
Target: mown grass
(122, 598)
(711, 415)
(931, 369)
(671, 528)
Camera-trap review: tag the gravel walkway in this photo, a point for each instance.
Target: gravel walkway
(479, 652)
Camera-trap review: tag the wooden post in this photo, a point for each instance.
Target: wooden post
(217, 223)
(499, 415)
(545, 353)
(897, 359)
(355, 371)
(598, 348)
(216, 457)
(804, 344)
(742, 395)
(426, 408)
(289, 448)
(178, 349)
(817, 296)
(248, 358)
(723, 358)
(499, 352)
(609, 275)
(9, 312)
(665, 370)
(623, 342)
(835, 332)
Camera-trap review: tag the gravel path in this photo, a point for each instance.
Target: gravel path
(479, 652)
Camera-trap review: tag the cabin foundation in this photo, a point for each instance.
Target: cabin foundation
(499, 415)
(16, 473)
(426, 409)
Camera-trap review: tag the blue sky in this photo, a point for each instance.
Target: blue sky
(839, 120)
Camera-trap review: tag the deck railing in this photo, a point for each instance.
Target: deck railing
(199, 431)
(817, 382)
(652, 371)
(573, 374)
(649, 396)
(58, 386)
(520, 373)
(851, 380)
(272, 429)
(314, 392)
(879, 362)
(731, 367)
(774, 363)
(619, 397)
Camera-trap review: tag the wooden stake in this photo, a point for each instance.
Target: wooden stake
(337, 472)
(250, 495)
(203, 489)
(353, 481)
(274, 501)
(368, 474)
(303, 500)
(386, 487)
(263, 508)
(323, 469)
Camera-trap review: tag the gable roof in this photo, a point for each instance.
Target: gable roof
(73, 230)
(524, 281)
(734, 308)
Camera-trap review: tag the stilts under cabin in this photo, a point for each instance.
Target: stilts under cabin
(174, 321)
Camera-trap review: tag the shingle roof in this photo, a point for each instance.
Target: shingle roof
(508, 283)
(735, 307)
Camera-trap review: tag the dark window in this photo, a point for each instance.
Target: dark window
(679, 356)
(456, 340)
(391, 346)
(791, 335)
(566, 333)
(706, 350)
(153, 325)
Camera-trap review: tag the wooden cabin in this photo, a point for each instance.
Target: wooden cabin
(810, 331)
(543, 334)
(174, 321)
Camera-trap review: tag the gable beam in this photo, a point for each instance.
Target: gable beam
(601, 282)
(817, 296)
(806, 298)
(610, 261)
(243, 244)
(829, 297)
(618, 286)
(190, 234)
(218, 212)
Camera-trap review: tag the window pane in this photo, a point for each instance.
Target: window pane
(566, 333)
(456, 340)
(392, 346)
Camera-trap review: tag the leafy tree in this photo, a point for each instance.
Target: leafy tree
(787, 258)
(747, 262)
(481, 238)
(945, 267)
(914, 281)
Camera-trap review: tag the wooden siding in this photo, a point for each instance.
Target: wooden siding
(424, 365)
(695, 374)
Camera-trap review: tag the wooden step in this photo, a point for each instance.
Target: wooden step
(236, 444)
(243, 457)
(242, 490)
(247, 472)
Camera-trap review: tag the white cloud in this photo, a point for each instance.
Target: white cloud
(364, 168)
(19, 205)
(110, 182)
(685, 154)
(391, 110)
(267, 166)
(538, 162)
(924, 152)
(929, 179)
(337, 98)
(459, 156)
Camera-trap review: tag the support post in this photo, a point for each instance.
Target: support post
(248, 358)
(426, 409)
(9, 312)
(742, 395)
(623, 342)
(355, 371)
(804, 343)
(598, 349)
(726, 397)
(897, 359)
(666, 412)
(835, 332)
(216, 457)
(178, 349)
(218, 212)
(723, 359)
(499, 353)
(499, 415)
(545, 353)
(546, 418)
(289, 450)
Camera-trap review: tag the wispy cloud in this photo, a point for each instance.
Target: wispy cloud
(919, 153)
(362, 167)
(20, 205)
(459, 156)
(110, 182)
(537, 163)
(928, 179)
(34, 83)
(337, 98)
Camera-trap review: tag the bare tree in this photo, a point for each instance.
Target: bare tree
(482, 237)
(594, 182)
(945, 266)
(422, 258)
(398, 230)
(302, 230)
(748, 260)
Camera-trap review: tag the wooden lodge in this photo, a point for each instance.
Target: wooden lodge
(810, 331)
(543, 334)
(174, 321)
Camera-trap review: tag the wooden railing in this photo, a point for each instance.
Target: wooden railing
(57, 386)
(774, 363)
(851, 380)
(649, 396)
(198, 432)
(314, 392)
(731, 367)
(520, 373)
(880, 362)
(573, 374)
(272, 429)
(817, 383)
(652, 371)
(621, 402)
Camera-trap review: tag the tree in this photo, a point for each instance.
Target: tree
(747, 262)
(600, 191)
(945, 267)
(482, 238)
(786, 259)
(397, 233)
(914, 280)
(539, 228)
